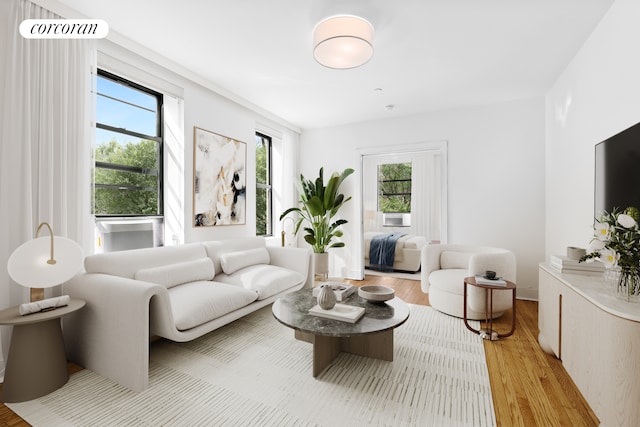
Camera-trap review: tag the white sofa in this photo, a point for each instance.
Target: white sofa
(444, 267)
(176, 292)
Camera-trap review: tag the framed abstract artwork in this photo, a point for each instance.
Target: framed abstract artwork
(219, 179)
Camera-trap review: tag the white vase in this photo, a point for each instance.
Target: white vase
(321, 266)
(326, 297)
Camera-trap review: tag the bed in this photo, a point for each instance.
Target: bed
(406, 255)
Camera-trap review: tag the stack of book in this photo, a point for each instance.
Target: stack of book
(564, 264)
(496, 281)
(342, 290)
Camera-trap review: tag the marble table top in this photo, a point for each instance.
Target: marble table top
(292, 311)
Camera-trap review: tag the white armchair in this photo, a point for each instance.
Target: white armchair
(444, 267)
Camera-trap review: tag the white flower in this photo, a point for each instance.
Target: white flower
(595, 246)
(609, 257)
(626, 221)
(603, 232)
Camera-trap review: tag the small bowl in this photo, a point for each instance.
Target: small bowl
(491, 275)
(375, 293)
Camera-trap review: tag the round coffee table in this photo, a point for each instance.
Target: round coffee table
(371, 336)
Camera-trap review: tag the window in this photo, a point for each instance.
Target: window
(264, 219)
(128, 152)
(394, 188)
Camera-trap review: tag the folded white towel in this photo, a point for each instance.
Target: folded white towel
(49, 303)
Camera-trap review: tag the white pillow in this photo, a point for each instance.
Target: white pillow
(454, 259)
(234, 261)
(176, 274)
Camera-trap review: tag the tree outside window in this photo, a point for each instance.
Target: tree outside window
(263, 186)
(394, 188)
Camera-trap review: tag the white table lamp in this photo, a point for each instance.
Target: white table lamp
(45, 262)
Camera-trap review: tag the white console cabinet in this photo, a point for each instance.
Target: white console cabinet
(597, 336)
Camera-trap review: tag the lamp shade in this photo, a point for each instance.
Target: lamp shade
(342, 42)
(29, 264)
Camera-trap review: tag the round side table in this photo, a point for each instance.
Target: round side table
(489, 333)
(37, 362)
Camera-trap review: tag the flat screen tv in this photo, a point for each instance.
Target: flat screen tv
(617, 171)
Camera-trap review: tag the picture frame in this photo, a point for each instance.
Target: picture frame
(219, 179)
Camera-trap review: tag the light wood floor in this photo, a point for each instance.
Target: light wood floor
(529, 387)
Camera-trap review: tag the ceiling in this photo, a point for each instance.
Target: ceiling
(429, 55)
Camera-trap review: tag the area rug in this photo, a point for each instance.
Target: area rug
(253, 372)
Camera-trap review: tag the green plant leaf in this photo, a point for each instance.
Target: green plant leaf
(288, 211)
(315, 206)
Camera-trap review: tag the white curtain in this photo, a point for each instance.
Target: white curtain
(285, 176)
(45, 155)
(426, 197)
(290, 168)
(174, 223)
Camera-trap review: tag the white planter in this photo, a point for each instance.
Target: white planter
(320, 266)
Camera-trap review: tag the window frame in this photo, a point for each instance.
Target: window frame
(268, 140)
(381, 194)
(159, 139)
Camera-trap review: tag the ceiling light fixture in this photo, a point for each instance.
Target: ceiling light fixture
(343, 42)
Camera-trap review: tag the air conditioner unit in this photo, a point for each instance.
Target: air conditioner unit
(119, 234)
(396, 219)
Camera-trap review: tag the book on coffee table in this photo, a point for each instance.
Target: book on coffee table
(342, 312)
(341, 290)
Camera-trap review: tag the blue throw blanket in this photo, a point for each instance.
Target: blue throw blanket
(382, 250)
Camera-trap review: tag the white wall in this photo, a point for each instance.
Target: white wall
(495, 175)
(597, 96)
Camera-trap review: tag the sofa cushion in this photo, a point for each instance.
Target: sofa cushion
(455, 259)
(266, 280)
(171, 275)
(127, 263)
(216, 248)
(196, 303)
(234, 261)
(450, 280)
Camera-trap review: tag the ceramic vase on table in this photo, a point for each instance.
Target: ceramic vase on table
(326, 297)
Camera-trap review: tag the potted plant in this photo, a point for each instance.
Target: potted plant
(318, 206)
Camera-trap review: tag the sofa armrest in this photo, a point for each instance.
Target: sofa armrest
(110, 335)
(296, 259)
(430, 261)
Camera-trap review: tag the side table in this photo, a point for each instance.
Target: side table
(489, 333)
(37, 362)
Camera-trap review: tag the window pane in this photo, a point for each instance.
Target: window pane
(121, 149)
(263, 185)
(261, 160)
(126, 179)
(125, 107)
(109, 201)
(394, 187)
(128, 168)
(262, 220)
